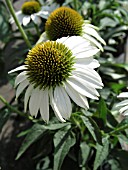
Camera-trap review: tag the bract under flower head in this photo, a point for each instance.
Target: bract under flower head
(69, 57)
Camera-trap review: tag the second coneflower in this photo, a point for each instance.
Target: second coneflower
(65, 21)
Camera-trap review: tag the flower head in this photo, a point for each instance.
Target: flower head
(123, 106)
(32, 10)
(65, 21)
(56, 71)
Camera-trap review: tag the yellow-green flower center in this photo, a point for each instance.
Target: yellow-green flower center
(49, 64)
(31, 7)
(63, 22)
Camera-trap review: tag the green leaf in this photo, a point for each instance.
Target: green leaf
(92, 128)
(101, 153)
(102, 110)
(4, 116)
(114, 164)
(63, 141)
(4, 24)
(35, 133)
(84, 154)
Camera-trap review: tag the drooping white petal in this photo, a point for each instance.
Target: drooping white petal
(35, 18)
(123, 103)
(27, 96)
(91, 81)
(21, 77)
(20, 16)
(34, 102)
(26, 20)
(123, 95)
(87, 28)
(94, 64)
(44, 105)
(124, 109)
(93, 40)
(89, 72)
(17, 69)
(73, 42)
(83, 61)
(81, 87)
(125, 113)
(76, 97)
(87, 52)
(21, 87)
(42, 38)
(63, 102)
(55, 107)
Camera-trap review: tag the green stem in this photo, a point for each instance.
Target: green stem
(118, 129)
(15, 110)
(37, 29)
(9, 4)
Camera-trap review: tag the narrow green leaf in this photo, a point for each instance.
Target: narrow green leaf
(84, 154)
(101, 153)
(63, 141)
(4, 116)
(35, 133)
(92, 128)
(102, 110)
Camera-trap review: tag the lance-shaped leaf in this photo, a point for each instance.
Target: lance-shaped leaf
(63, 141)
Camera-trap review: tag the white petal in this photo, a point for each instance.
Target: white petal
(91, 81)
(20, 16)
(21, 87)
(63, 102)
(76, 97)
(81, 88)
(35, 18)
(91, 31)
(21, 77)
(44, 105)
(87, 52)
(89, 72)
(27, 96)
(94, 64)
(55, 107)
(26, 20)
(125, 113)
(34, 102)
(73, 42)
(124, 109)
(93, 40)
(84, 61)
(123, 95)
(17, 69)
(42, 38)
(123, 103)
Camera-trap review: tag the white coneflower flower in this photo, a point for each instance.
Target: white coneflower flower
(123, 106)
(56, 71)
(65, 21)
(33, 11)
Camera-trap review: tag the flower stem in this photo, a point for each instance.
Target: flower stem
(37, 29)
(119, 129)
(11, 9)
(15, 110)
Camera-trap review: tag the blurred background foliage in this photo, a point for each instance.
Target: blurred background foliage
(96, 139)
